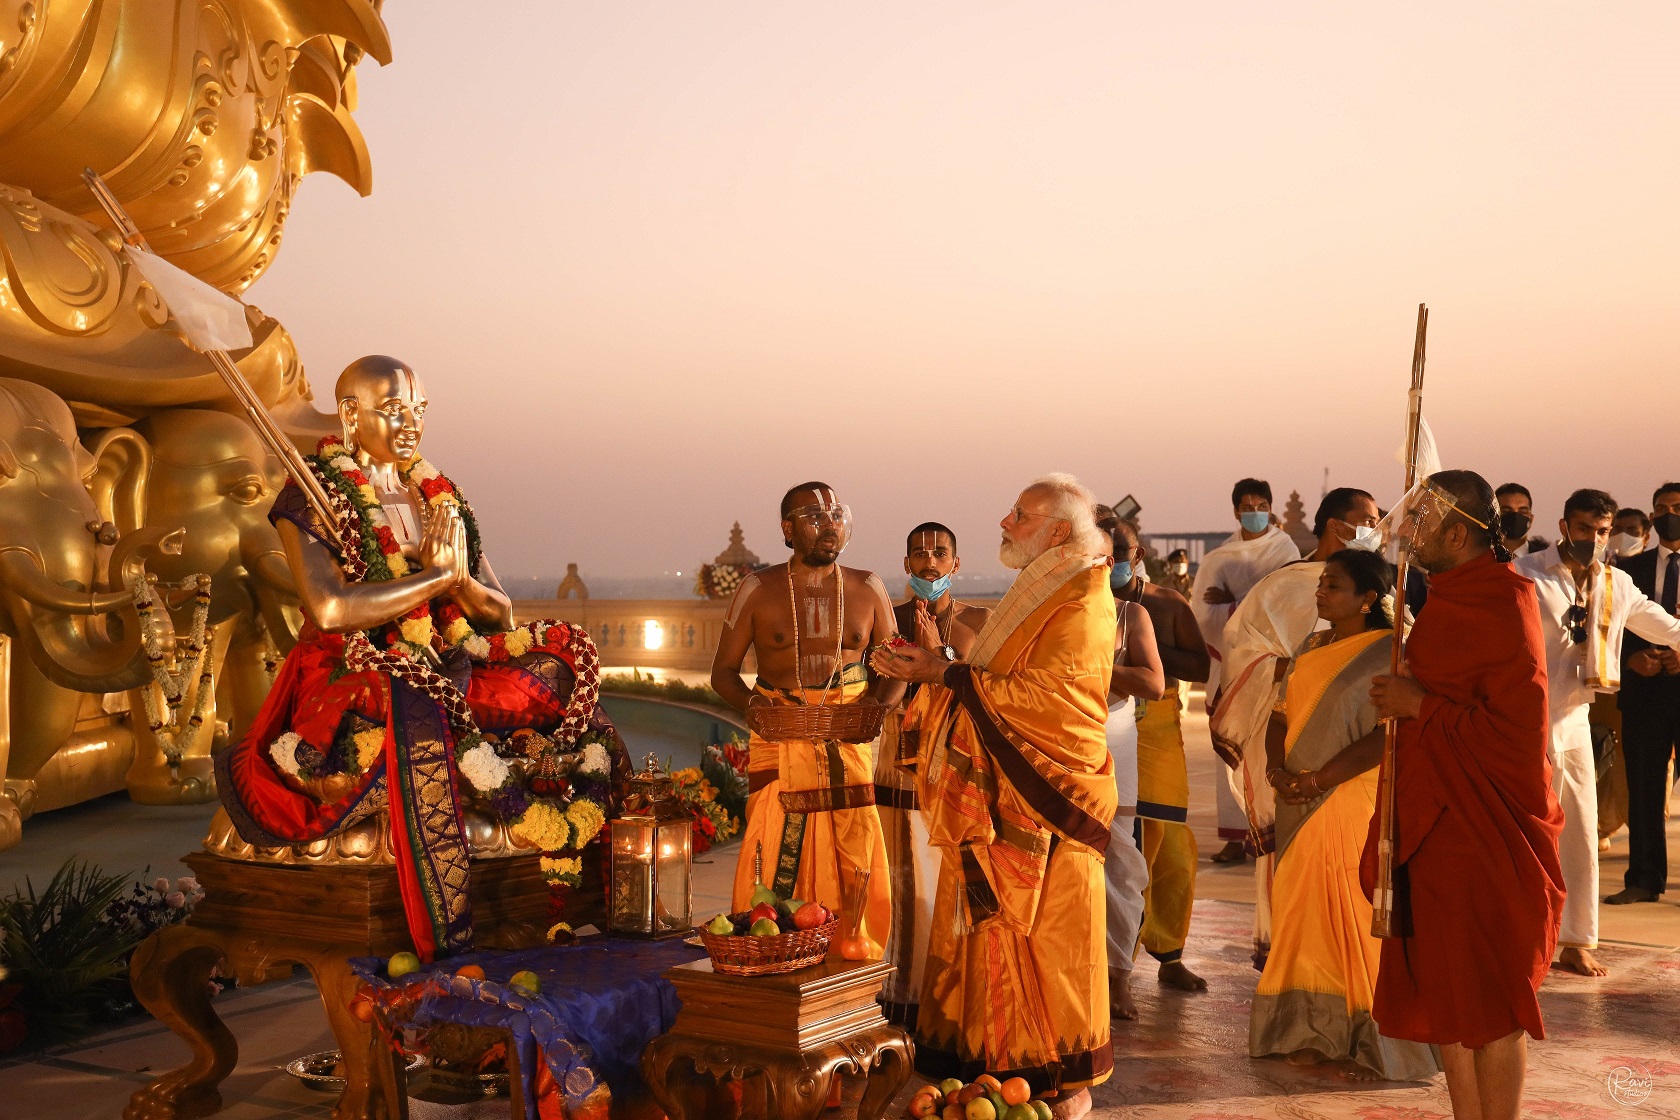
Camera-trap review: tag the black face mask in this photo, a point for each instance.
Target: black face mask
(1514, 525)
(1582, 552)
(1667, 526)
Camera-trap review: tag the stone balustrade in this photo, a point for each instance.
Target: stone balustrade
(656, 633)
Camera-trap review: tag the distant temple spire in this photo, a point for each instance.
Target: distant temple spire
(737, 552)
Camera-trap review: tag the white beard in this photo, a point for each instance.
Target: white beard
(1018, 554)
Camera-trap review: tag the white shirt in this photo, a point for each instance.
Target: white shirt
(1627, 609)
(1663, 553)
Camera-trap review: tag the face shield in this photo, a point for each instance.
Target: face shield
(1415, 525)
(819, 520)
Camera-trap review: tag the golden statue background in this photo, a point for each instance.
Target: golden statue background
(202, 116)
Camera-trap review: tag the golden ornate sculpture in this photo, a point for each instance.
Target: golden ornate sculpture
(202, 116)
(410, 688)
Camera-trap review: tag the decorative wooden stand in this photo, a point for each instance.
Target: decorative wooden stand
(799, 1029)
(259, 919)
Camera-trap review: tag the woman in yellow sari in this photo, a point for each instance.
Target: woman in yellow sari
(1323, 744)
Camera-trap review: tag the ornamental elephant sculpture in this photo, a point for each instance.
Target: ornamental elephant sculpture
(70, 543)
(214, 477)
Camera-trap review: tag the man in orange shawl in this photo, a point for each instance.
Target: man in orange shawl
(1476, 821)
(1017, 791)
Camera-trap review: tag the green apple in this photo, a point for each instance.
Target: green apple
(401, 964)
(720, 926)
(765, 927)
(789, 905)
(1020, 1112)
(527, 980)
(949, 1086)
(1042, 1108)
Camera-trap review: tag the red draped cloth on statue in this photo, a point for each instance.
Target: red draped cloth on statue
(312, 695)
(1477, 823)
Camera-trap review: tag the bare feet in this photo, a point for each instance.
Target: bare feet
(1232, 852)
(1120, 1003)
(1071, 1107)
(1581, 962)
(1174, 975)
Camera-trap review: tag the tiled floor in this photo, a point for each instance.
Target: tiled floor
(1184, 1059)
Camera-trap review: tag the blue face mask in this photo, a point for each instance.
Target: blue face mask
(929, 590)
(1120, 576)
(1255, 521)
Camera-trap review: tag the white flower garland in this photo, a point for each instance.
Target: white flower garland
(164, 720)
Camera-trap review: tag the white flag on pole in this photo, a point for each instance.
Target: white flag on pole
(209, 319)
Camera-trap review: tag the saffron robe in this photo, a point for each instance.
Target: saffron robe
(1017, 789)
(1476, 821)
(811, 812)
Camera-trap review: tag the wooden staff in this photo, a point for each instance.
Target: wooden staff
(1385, 922)
(267, 430)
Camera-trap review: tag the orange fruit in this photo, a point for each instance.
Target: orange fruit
(470, 971)
(990, 1082)
(1016, 1091)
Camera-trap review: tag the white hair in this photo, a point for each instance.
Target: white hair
(1078, 507)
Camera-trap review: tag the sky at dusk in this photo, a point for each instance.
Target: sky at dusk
(658, 261)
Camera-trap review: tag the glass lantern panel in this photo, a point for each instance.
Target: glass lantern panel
(672, 876)
(631, 909)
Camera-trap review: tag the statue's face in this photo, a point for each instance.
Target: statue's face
(387, 413)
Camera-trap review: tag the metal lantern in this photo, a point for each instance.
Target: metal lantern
(652, 860)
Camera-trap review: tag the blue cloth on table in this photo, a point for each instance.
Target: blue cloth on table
(601, 1003)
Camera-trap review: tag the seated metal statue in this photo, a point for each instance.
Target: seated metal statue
(410, 688)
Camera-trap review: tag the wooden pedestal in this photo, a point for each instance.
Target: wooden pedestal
(799, 1030)
(259, 919)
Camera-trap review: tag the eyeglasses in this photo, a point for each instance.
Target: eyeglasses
(1020, 516)
(819, 516)
(1575, 618)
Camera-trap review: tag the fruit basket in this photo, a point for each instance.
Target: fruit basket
(750, 955)
(846, 723)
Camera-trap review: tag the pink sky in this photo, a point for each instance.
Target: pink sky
(658, 261)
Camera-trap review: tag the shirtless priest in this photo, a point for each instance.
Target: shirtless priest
(810, 805)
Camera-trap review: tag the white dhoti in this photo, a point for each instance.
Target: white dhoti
(1574, 780)
(1125, 870)
(914, 866)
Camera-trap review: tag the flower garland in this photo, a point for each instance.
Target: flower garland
(172, 736)
(557, 826)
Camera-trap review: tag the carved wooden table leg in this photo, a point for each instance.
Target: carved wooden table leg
(894, 1058)
(796, 1084)
(170, 974)
(358, 1043)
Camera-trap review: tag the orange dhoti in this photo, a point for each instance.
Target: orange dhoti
(1018, 792)
(811, 811)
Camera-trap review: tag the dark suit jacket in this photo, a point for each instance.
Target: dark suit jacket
(1638, 690)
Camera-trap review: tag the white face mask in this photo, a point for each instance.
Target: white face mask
(1626, 544)
(1365, 539)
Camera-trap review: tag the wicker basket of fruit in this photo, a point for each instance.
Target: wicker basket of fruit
(776, 935)
(846, 723)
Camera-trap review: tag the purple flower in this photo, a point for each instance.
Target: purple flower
(510, 801)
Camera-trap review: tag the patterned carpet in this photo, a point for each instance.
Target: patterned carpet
(1186, 1056)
